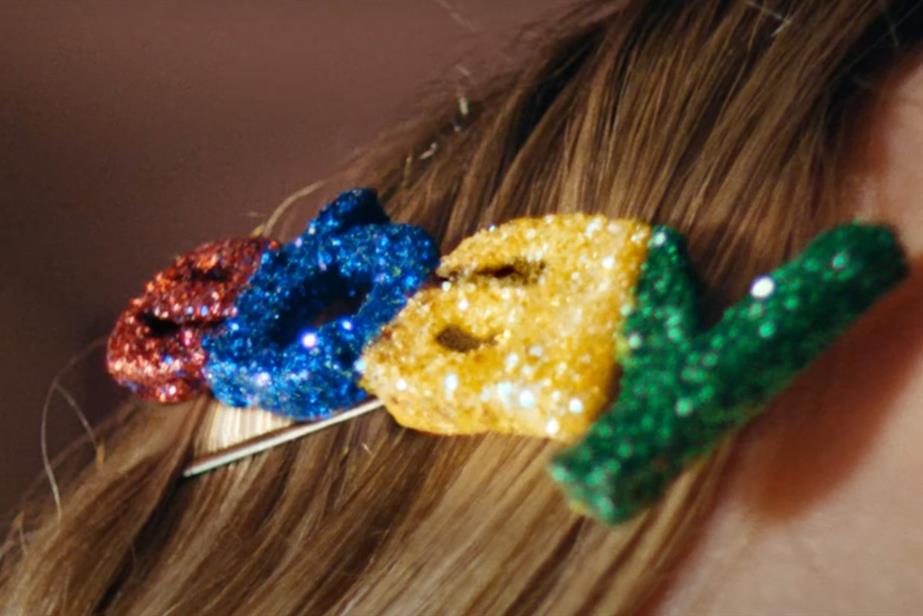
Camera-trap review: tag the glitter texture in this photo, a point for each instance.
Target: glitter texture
(286, 350)
(519, 338)
(683, 388)
(155, 347)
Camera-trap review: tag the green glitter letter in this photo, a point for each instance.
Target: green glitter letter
(683, 389)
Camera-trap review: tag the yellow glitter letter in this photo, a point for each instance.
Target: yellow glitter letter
(519, 339)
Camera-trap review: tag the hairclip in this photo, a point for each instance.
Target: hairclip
(573, 327)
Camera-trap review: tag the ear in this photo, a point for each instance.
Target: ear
(354, 208)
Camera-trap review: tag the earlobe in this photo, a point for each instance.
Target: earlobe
(886, 182)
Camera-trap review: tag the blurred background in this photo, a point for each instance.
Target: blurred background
(132, 131)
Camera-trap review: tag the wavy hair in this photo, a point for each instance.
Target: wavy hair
(728, 120)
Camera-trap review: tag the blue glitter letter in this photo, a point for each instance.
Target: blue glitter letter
(284, 351)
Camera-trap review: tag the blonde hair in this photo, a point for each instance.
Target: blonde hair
(728, 120)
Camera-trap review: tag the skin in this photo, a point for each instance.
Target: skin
(821, 512)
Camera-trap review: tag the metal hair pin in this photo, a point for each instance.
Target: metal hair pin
(274, 438)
